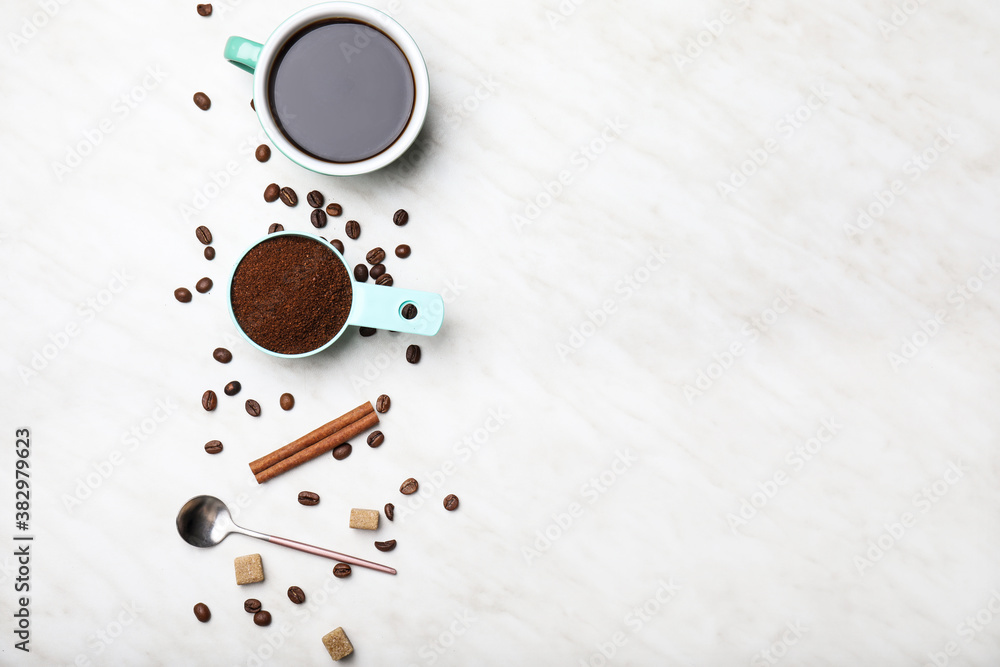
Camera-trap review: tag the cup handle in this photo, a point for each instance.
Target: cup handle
(243, 53)
(381, 307)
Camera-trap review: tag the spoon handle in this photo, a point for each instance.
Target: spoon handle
(326, 553)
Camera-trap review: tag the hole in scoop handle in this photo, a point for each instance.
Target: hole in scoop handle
(243, 53)
(381, 307)
(326, 553)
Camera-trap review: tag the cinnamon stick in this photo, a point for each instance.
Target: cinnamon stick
(311, 438)
(325, 445)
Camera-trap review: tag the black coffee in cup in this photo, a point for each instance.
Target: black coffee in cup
(341, 90)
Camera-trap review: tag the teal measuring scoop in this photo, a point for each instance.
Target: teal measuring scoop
(372, 306)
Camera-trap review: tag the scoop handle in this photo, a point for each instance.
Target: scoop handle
(326, 553)
(381, 307)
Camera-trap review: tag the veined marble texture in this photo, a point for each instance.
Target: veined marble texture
(717, 383)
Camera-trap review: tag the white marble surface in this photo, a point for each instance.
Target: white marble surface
(715, 461)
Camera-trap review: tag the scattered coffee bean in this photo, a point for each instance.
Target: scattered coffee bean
(409, 311)
(375, 438)
(413, 354)
(390, 511)
(201, 610)
(288, 196)
(375, 256)
(400, 218)
(339, 245)
(402, 251)
(272, 192)
(361, 273)
(251, 105)
(213, 446)
(204, 234)
(287, 401)
(334, 209)
(209, 400)
(202, 102)
(382, 404)
(308, 498)
(222, 355)
(204, 10)
(232, 388)
(203, 285)
(262, 618)
(251, 605)
(275, 227)
(409, 487)
(263, 153)
(385, 280)
(352, 229)
(377, 271)
(318, 218)
(296, 595)
(253, 408)
(182, 294)
(315, 199)
(366, 331)
(209, 253)
(388, 545)
(341, 452)
(451, 502)
(341, 570)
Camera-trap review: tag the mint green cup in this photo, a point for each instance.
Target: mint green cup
(258, 58)
(372, 305)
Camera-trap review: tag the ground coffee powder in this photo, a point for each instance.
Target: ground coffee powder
(291, 294)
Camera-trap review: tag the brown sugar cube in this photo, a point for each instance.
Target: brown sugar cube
(249, 569)
(364, 519)
(337, 644)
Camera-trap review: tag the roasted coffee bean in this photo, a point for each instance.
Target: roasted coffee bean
(182, 294)
(388, 545)
(308, 498)
(287, 401)
(382, 403)
(334, 209)
(209, 253)
(400, 218)
(402, 251)
(385, 280)
(288, 196)
(413, 354)
(338, 244)
(202, 102)
(213, 446)
(375, 256)
(251, 605)
(409, 311)
(204, 10)
(275, 227)
(209, 400)
(361, 273)
(252, 105)
(253, 408)
(451, 502)
(232, 388)
(204, 234)
(262, 618)
(341, 452)
(375, 438)
(366, 331)
(352, 229)
(315, 198)
(318, 218)
(296, 595)
(377, 271)
(409, 487)
(203, 285)
(341, 570)
(272, 192)
(263, 153)
(201, 610)
(389, 510)
(222, 355)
